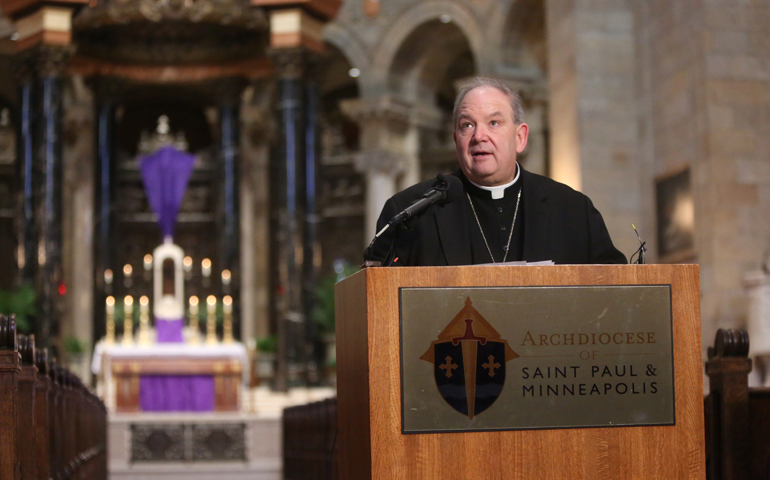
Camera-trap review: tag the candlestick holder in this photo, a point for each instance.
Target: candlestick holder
(144, 322)
(211, 321)
(128, 322)
(110, 337)
(194, 320)
(227, 323)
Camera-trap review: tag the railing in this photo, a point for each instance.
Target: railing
(51, 425)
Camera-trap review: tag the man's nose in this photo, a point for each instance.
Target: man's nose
(480, 133)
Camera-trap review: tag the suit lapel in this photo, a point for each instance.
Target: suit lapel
(453, 233)
(537, 219)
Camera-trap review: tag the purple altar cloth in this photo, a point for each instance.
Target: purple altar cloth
(169, 331)
(176, 393)
(165, 174)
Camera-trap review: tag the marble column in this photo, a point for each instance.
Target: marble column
(40, 153)
(286, 201)
(387, 144)
(312, 217)
(104, 225)
(27, 232)
(230, 158)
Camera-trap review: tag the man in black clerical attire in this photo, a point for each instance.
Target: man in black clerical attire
(505, 213)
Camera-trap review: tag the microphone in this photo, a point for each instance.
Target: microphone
(447, 189)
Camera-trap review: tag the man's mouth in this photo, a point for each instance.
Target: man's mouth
(480, 154)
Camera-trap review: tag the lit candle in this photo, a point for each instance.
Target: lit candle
(148, 262)
(194, 319)
(110, 305)
(226, 277)
(211, 320)
(108, 276)
(128, 323)
(227, 324)
(144, 321)
(187, 264)
(206, 267)
(110, 337)
(128, 270)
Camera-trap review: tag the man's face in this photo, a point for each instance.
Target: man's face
(486, 137)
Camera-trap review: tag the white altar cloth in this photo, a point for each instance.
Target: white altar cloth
(235, 351)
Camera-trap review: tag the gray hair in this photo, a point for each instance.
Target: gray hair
(478, 82)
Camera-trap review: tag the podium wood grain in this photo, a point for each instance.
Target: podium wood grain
(370, 443)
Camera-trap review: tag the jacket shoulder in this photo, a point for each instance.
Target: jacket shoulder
(547, 186)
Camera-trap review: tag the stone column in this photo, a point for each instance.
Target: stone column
(229, 173)
(41, 164)
(286, 201)
(43, 42)
(593, 111)
(104, 224)
(255, 197)
(312, 217)
(295, 36)
(386, 144)
(27, 230)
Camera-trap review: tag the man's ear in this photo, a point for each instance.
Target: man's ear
(522, 134)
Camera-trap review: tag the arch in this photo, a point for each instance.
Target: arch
(433, 55)
(350, 46)
(521, 35)
(408, 22)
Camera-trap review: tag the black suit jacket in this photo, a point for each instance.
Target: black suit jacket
(560, 224)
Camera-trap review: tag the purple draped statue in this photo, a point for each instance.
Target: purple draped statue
(165, 174)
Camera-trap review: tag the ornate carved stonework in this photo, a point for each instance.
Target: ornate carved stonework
(292, 62)
(394, 110)
(188, 442)
(171, 31)
(43, 61)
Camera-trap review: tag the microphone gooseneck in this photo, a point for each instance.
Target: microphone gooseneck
(446, 189)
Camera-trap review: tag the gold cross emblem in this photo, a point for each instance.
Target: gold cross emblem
(448, 367)
(491, 365)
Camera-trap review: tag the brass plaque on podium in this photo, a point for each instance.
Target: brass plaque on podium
(510, 358)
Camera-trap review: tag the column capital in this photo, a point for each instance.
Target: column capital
(380, 161)
(381, 108)
(292, 62)
(44, 60)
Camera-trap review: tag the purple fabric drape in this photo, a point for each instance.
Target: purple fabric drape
(169, 331)
(176, 393)
(165, 174)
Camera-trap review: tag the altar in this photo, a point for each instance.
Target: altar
(171, 377)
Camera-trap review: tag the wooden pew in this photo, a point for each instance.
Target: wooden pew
(737, 417)
(10, 367)
(309, 433)
(26, 451)
(42, 394)
(51, 425)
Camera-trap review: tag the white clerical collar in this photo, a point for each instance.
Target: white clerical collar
(498, 191)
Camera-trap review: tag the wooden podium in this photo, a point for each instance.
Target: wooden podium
(370, 440)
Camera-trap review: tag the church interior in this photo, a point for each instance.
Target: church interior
(297, 120)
